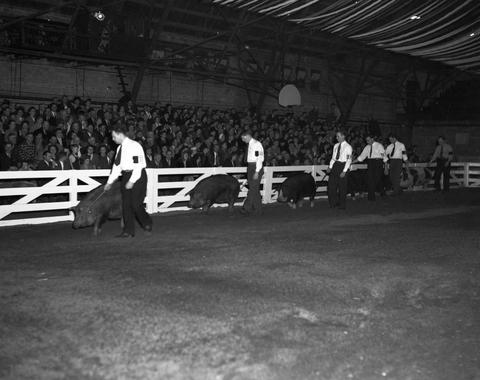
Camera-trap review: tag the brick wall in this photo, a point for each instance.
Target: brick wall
(46, 79)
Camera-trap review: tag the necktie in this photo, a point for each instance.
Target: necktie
(393, 151)
(118, 156)
(371, 149)
(441, 151)
(338, 152)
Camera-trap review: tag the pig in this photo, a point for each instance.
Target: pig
(98, 206)
(219, 188)
(414, 177)
(297, 187)
(357, 182)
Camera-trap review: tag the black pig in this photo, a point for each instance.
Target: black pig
(297, 187)
(219, 188)
(98, 206)
(357, 182)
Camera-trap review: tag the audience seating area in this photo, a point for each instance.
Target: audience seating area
(75, 134)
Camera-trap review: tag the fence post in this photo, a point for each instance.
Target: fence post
(73, 193)
(466, 174)
(151, 191)
(267, 184)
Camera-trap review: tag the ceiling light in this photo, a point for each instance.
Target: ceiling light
(472, 34)
(99, 15)
(415, 17)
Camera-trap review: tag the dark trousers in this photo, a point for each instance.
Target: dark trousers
(442, 168)
(132, 203)
(375, 177)
(253, 202)
(395, 174)
(337, 186)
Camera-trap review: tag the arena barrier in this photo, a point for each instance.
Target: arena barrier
(35, 197)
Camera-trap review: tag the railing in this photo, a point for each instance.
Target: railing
(37, 197)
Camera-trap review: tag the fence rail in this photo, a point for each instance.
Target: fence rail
(46, 196)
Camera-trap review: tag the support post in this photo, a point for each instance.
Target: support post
(466, 174)
(267, 184)
(151, 197)
(73, 193)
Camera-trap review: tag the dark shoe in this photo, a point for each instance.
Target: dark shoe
(148, 230)
(125, 235)
(244, 212)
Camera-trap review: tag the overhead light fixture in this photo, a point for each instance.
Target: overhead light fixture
(472, 34)
(415, 17)
(99, 15)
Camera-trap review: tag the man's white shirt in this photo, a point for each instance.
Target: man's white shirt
(396, 151)
(132, 159)
(255, 154)
(345, 155)
(374, 151)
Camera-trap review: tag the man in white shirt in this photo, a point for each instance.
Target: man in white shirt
(397, 155)
(338, 169)
(374, 153)
(443, 155)
(130, 164)
(255, 158)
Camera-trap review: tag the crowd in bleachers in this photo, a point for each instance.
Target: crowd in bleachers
(75, 134)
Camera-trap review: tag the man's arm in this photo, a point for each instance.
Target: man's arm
(435, 154)
(450, 154)
(332, 160)
(383, 154)
(404, 154)
(348, 163)
(138, 163)
(114, 174)
(362, 155)
(259, 157)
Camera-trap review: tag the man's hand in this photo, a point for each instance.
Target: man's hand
(129, 185)
(255, 175)
(107, 186)
(329, 170)
(342, 174)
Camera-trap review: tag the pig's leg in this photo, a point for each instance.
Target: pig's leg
(97, 227)
(231, 205)
(206, 207)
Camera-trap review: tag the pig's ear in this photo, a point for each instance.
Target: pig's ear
(73, 209)
(190, 192)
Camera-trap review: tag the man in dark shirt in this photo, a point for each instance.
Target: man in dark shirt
(46, 163)
(7, 160)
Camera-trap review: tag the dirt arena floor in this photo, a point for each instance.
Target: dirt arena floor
(385, 290)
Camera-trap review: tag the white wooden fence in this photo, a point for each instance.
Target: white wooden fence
(35, 197)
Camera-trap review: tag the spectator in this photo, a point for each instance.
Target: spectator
(208, 137)
(46, 162)
(63, 162)
(26, 150)
(103, 159)
(7, 161)
(75, 156)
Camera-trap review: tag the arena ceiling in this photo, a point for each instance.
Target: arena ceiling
(447, 31)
